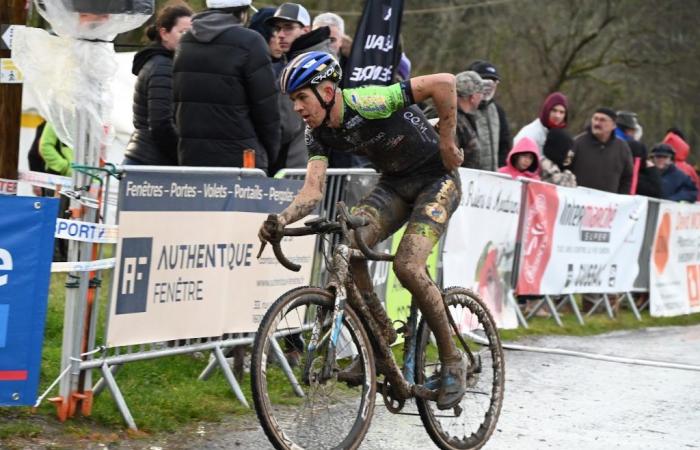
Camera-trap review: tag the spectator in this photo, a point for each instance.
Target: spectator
(257, 23)
(557, 157)
(57, 155)
(470, 90)
(226, 97)
(336, 25)
(491, 123)
(293, 24)
(682, 149)
(154, 140)
(553, 114)
(601, 161)
(523, 160)
(676, 185)
(646, 178)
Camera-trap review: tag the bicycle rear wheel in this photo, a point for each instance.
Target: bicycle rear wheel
(297, 404)
(481, 405)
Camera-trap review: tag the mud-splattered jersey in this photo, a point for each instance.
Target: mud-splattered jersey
(381, 123)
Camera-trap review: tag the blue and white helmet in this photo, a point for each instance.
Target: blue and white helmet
(309, 69)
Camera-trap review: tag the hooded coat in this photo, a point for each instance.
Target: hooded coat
(524, 145)
(154, 140)
(682, 150)
(537, 129)
(226, 98)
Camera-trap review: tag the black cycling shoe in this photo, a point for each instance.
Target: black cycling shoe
(453, 382)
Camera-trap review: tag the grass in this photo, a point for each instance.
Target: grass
(164, 395)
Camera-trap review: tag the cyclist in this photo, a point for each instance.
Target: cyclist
(419, 183)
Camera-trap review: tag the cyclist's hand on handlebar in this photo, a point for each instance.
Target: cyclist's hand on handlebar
(452, 156)
(272, 229)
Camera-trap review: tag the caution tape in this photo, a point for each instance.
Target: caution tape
(8, 187)
(83, 266)
(86, 232)
(45, 180)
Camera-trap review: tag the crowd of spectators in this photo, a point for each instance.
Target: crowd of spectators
(207, 94)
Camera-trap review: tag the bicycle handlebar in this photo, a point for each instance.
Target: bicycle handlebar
(323, 226)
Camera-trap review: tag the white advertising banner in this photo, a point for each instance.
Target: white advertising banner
(480, 241)
(579, 240)
(186, 259)
(675, 261)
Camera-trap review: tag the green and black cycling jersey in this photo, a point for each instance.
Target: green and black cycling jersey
(382, 124)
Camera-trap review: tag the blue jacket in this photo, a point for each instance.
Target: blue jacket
(677, 186)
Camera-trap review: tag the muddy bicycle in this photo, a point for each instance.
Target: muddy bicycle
(324, 396)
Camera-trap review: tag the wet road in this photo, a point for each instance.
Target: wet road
(555, 401)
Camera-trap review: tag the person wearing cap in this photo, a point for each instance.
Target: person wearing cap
(601, 160)
(226, 98)
(257, 23)
(676, 140)
(646, 179)
(470, 89)
(491, 121)
(292, 24)
(676, 185)
(553, 114)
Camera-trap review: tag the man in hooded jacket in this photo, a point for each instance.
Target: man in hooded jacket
(226, 98)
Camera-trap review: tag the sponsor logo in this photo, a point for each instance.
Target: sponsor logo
(134, 267)
(594, 222)
(436, 212)
(590, 275)
(5, 265)
(661, 250)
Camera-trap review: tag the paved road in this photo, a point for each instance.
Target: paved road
(551, 402)
(555, 401)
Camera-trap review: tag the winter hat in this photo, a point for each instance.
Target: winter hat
(291, 12)
(404, 69)
(626, 120)
(663, 149)
(257, 23)
(469, 83)
(557, 145)
(220, 4)
(608, 112)
(485, 69)
(552, 100)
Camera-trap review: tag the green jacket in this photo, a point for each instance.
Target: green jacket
(57, 156)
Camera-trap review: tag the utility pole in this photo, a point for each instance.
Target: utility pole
(12, 12)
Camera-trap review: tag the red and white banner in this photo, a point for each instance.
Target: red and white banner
(675, 261)
(480, 257)
(579, 240)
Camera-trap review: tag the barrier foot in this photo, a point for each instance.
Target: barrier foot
(209, 370)
(86, 405)
(117, 396)
(279, 354)
(608, 307)
(518, 313)
(76, 397)
(100, 385)
(602, 301)
(553, 310)
(633, 306)
(61, 408)
(574, 306)
(540, 304)
(229, 376)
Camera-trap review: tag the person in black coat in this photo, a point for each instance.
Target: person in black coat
(154, 140)
(226, 98)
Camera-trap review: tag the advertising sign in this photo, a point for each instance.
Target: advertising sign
(579, 240)
(26, 248)
(480, 257)
(186, 260)
(675, 261)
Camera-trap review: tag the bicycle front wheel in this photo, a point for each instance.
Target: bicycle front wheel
(302, 400)
(480, 407)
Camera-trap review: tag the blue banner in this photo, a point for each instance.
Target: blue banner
(26, 248)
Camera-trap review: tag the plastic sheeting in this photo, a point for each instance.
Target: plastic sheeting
(71, 73)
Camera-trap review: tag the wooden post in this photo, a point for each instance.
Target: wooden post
(12, 12)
